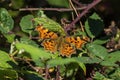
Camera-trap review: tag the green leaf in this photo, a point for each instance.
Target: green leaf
(88, 60)
(80, 61)
(35, 53)
(40, 13)
(97, 50)
(62, 61)
(16, 4)
(60, 3)
(116, 74)
(8, 74)
(50, 24)
(99, 76)
(5, 60)
(101, 40)
(13, 13)
(29, 75)
(111, 59)
(98, 41)
(26, 23)
(6, 21)
(26, 40)
(94, 25)
(10, 37)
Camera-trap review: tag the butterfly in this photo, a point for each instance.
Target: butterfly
(65, 45)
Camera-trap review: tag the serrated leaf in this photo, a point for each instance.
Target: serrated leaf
(80, 61)
(111, 59)
(50, 24)
(8, 74)
(61, 3)
(97, 50)
(35, 52)
(26, 23)
(94, 25)
(6, 21)
(5, 60)
(60, 61)
(88, 60)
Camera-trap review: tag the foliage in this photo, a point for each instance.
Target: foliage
(26, 23)
(23, 57)
(6, 21)
(91, 24)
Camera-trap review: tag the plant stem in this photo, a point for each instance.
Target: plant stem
(46, 73)
(58, 73)
(51, 9)
(71, 25)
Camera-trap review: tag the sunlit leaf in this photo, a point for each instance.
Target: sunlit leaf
(97, 50)
(50, 24)
(80, 61)
(35, 52)
(111, 59)
(6, 21)
(62, 61)
(5, 60)
(26, 40)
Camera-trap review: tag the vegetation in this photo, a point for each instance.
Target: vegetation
(23, 55)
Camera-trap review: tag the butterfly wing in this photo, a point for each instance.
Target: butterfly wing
(48, 39)
(76, 41)
(66, 49)
(50, 45)
(45, 33)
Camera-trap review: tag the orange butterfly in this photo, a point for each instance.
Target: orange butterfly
(65, 45)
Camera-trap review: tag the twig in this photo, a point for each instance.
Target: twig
(71, 25)
(58, 73)
(51, 9)
(47, 75)
(78, 3)
(76, 14)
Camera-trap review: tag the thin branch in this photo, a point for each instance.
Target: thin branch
(78, 3)
(76, 12)
(70, 26)
(58, 73)
(51, 9)
(47, 75)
